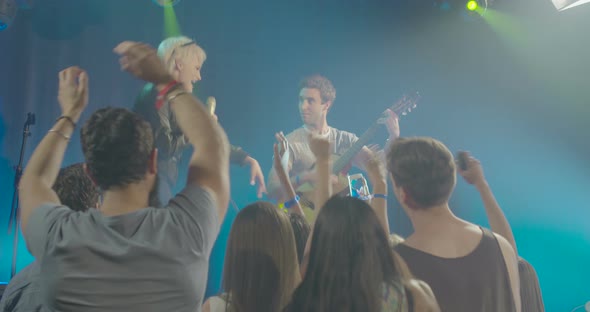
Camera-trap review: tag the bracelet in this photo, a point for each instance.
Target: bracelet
(67, 138)
(383, 196)
(292, 202)
(170, 99)
(68, 118)
(164, 92)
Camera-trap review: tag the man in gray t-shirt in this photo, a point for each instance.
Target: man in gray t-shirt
(147, 260)
(125, 256)
(316, 96)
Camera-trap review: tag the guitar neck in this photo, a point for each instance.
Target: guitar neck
(402, 107)
(347, 157)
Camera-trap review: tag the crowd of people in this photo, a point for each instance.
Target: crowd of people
(108, 235)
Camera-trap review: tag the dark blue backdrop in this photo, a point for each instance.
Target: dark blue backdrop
(512, 89)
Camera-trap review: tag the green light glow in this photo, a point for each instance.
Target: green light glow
(171, 27)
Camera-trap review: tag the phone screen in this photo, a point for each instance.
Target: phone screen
(358, 187)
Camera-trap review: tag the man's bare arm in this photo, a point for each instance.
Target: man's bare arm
(43, 167)
(209, 163)
(474, 175)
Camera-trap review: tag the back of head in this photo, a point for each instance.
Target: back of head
(117, 145)
(301, 230)
(75, 189)
(261, 269)
(350, 260)
(321, 83)
(180, 47)
(424, 168)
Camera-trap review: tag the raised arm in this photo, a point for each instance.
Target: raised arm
(240, 157)
(320, 147)
(498, 222)
(280, 166)
(209, 164)
(378, 179)
(41, 171)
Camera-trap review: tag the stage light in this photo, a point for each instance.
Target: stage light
(561, 5)
(8, 10)
(166, 3)
(472, 5)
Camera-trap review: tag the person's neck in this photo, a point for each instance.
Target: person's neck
(120, 201)
(318, 128)
(432, 220)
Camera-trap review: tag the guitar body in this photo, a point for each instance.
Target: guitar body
(306, 193)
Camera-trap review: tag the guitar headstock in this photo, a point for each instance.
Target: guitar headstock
(406, 103)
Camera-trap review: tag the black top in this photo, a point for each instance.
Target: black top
(478, 281)
(168, 137)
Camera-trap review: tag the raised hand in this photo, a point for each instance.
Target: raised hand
(256, 176)
(73, 91)
(376, 169)
(283, 150)
(320, 147)
(474, 172)
(392, 124)
(141, 61)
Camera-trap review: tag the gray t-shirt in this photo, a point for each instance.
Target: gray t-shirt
(302, 158)
(22, 294)
(147, 260)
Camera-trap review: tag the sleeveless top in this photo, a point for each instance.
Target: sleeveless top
(478, 281)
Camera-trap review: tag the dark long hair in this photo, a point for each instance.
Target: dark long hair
(350, 261)
(261, 268)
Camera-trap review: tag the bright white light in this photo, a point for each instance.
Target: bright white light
(561, 5)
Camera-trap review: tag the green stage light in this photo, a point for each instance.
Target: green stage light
(472, 5)
(166, 3)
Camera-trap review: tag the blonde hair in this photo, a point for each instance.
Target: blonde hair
(180, 46)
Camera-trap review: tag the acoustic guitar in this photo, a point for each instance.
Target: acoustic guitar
(343, 163)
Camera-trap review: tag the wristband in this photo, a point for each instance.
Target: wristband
(161, 95)
(380, 196)
(292, 202)
(65, 137)
(68, 118)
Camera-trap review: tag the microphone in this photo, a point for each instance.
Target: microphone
(30, 119)
(211, 105)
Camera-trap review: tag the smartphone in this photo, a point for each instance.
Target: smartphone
(358, 187)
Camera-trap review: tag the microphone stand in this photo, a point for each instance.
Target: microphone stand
(13, 223)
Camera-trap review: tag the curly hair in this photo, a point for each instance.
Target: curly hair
(327, 90)
(75, 189)
(117, 145)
